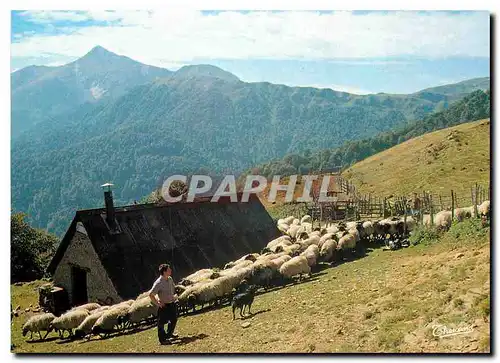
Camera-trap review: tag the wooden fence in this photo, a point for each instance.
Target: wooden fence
(358, 207)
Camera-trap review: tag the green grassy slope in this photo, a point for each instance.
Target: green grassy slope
(453, 158)
(387, 301)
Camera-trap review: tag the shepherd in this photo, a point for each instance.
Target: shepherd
(163, 295)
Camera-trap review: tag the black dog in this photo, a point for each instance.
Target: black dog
(244, 299)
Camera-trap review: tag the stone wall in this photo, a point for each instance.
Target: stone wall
(81, 253)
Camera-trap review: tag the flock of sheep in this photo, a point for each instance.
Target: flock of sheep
(291, 255)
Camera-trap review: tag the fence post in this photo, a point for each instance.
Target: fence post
(431, 210)
(475, 201)
(452, 206)
(405, 207)
(441, 202)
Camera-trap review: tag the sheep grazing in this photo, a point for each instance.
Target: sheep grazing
(106, 323)
(296, 266)
(262, 275)
(461, 214)
(367, 230)
(355, 233)
(311, 254)
(283, 228)
(275, 242)
(442, 220)
(280, 261)
(139, 311)
(89, 307)
(144, 294)
(324, 238)
(198, 276)
(85, 328)
(292, 231)
(306, 219)
(37, 324)
(346, 243)
(69, 321)
(484, 209)
(328, 249)
(288, 220)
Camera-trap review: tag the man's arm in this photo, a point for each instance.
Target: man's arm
(153, 293)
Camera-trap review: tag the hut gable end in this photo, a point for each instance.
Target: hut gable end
(80, 253)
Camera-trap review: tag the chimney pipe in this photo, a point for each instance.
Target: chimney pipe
(108, 202)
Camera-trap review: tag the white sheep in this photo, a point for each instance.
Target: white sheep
(311, 254)
(288, 220)
(346, 242)
(89, 307)
(484, 208)
(85, 327)
(197, 276)
(442, 220)
(328, 249)
(355, 233)
(368, 229)
(296, 266)
(140, 311)
(37, 324)
(277, 262)
(69, 321)
(307, 218)
(283, 228)
(106, 323)
(324, 238)
(292, 231)
(296, 222)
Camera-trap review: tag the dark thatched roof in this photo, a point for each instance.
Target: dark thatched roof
(189, 236)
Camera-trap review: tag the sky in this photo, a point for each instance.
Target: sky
(359, 52)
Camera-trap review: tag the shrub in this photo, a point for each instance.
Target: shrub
(424, 235)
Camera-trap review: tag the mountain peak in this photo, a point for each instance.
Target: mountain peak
(99, 51)
(206, 70)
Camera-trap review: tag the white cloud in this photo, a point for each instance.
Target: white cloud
(182, 36)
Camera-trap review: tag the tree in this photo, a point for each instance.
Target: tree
(30, 250)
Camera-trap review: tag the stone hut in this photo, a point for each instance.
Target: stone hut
(112, 254)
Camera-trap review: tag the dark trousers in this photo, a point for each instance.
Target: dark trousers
(168, 313)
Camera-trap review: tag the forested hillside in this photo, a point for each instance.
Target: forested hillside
(474, 106)
(197, 119)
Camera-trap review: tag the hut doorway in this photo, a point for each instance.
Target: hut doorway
(79, 285)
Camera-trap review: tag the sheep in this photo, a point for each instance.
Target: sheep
(324, 238)
(289, 220)
(347, 242)
(144, 294)
(139, 311)
(277, 241)
(314, 240)
(292, 231)
(85, 327)
(332, 229)
(296, 266)
(197, 276)
(367, 230)
(484, 209)
(263, 275)
(280, 261)
(69, 321)
(307, 218)
(461, 214)
(328, 249)
(106, 323)
(311, 254)
(442, 220)
(296, 222)
(282, 227)
(355, 233)
(89, 307)
(37, 324)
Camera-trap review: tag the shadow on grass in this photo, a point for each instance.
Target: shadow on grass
(36, 341)
(188, 339)
(245, 317)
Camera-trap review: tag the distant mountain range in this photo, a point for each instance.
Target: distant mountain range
(107, 117)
